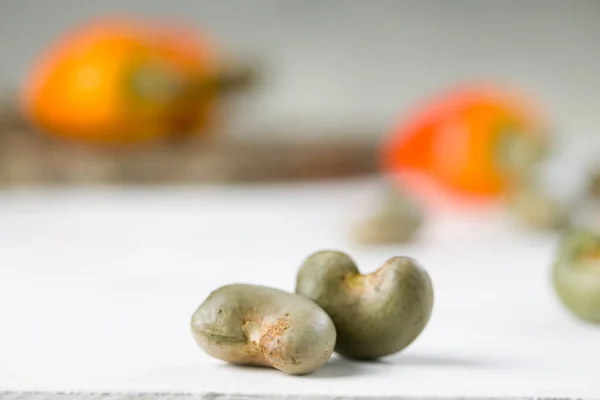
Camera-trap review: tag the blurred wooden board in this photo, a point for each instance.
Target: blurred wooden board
(30, 158)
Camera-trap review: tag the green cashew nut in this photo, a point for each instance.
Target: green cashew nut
(375, 315)
(536, 209)
(576, 275)
(397, 220)
(258, 325)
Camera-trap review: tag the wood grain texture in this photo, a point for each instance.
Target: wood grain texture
(28, 158)
(226, 396)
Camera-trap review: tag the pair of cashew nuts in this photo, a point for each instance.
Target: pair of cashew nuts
(335, 307)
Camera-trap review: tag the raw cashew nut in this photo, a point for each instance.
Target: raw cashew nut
(536, 209)
(576, 275)
(258, 325)
(375, 315)
(397, 220)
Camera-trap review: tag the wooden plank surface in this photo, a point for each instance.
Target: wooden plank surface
(97, 287)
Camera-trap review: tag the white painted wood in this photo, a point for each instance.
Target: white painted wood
(97, 287)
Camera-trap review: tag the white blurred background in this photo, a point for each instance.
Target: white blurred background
(358, 62)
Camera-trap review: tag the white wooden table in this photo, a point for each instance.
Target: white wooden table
(97, 287)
